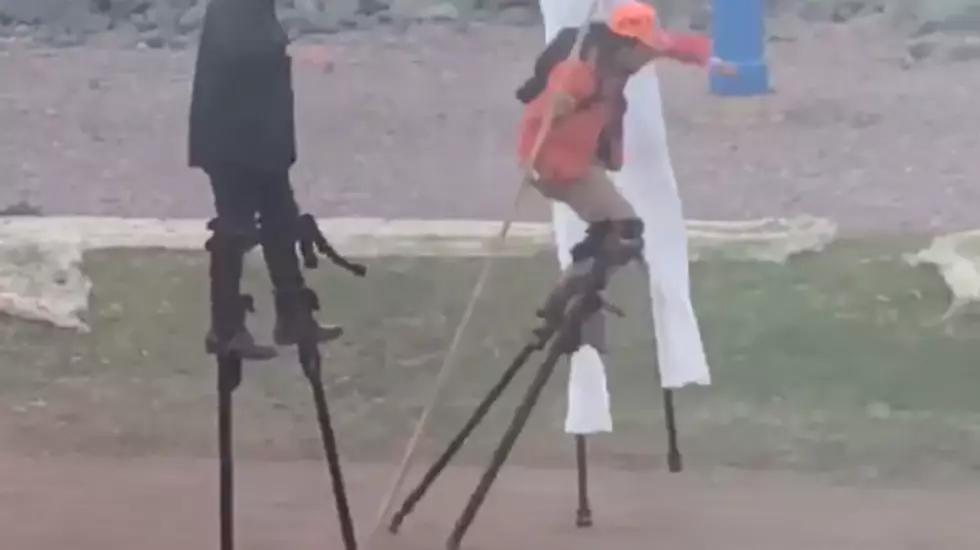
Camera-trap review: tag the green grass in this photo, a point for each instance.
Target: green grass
(832, 363)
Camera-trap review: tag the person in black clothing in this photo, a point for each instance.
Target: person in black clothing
(242, 135)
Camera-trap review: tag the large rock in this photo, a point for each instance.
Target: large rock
(76, 16)
(516, 11)
(310, 17)
(120, 10)
(30, 11)
(923, 17)
(192, 19)
(944, 47)
(839, 11)
(43, 281)
(519, 15)
(61, 22)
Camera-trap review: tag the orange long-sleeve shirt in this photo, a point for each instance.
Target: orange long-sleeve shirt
(687, 48)
(569, 149)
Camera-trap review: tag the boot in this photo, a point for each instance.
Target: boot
(229, 307)
(614, 243)
(295, 322)
(240, 341)
(572, 281)
(243, 344)
(592, 331)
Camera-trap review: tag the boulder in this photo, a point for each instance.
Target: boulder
(519, 15)
(442, 11)
(943, 47)
(838, 11)
(431, 10)
(192, 18)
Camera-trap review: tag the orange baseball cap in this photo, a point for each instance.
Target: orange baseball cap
(637, 20)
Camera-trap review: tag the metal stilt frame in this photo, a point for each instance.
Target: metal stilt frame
(560, 340)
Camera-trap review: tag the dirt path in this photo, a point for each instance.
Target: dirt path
(410, 125)
(157, 504)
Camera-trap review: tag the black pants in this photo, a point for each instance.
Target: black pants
(243, 198)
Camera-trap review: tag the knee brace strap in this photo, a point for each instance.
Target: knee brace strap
(591, 245)
(632, 228)
(227, 237)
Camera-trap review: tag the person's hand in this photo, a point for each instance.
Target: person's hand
(561, 104)
(313, 56)
(530, 174)
(722, 67)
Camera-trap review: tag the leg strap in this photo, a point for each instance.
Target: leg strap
(228, 237)
(607, 237)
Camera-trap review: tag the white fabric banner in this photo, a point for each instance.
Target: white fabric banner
(647, 180)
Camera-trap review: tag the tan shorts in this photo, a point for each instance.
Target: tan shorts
(594, 197)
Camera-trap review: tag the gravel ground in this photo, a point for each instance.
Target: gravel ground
(408, 125)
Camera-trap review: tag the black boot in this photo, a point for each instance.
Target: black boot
(295, 322)
(229, 307)
(572, 281)
(614, 244)
(238, 340)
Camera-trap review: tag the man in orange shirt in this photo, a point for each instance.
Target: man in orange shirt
(581, 102)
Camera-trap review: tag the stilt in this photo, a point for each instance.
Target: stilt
(310, 360)
(675, 462)
(565, 341)
(457, 443)
(229, 376)
(583, 516)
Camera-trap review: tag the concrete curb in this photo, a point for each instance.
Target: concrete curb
(768, 239)
(366, 237)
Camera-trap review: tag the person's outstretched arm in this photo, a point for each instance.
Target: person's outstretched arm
(694, 49)
(690, 48)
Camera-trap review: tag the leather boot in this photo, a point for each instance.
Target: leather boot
(229, 307)
(295, 322)
(231, 317)
(615, 243)
(574, 280)
(592, 331)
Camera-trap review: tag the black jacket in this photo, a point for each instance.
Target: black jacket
(242, 99)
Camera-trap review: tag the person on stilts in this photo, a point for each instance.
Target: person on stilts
(571, 135)
(584, 99)
(242, 135)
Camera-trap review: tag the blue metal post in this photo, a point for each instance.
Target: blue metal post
(740, 38)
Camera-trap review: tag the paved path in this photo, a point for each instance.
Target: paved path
(421, 125)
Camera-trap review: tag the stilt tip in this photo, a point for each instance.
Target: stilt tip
(583, 518)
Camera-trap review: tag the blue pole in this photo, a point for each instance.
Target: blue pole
(740, 38)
